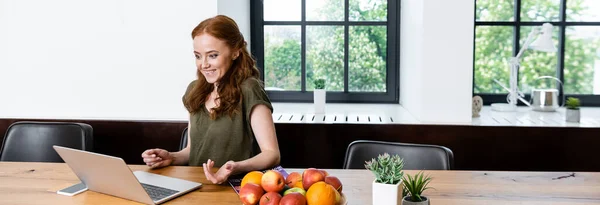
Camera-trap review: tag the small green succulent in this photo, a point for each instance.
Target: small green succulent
(319, 83)
(573, 103)
(415, 186)
(387, 169)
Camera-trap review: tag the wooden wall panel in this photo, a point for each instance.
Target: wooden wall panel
(324, 145)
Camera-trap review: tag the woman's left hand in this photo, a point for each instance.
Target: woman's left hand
(222, 174)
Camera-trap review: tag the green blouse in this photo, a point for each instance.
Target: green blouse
(225, 138)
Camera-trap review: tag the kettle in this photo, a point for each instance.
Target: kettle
(546, 100)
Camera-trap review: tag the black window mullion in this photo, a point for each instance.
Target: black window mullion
(327, 23)
(346, 43)
(506, 23)
(517, 34)
(561, 50)
(257, 33)
(303, 47)
(474, 48)
(536, 23)
(393, 49)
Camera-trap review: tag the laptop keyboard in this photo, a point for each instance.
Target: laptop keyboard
(157, 193)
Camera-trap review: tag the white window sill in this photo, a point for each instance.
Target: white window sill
(525, 117)
(342, 113)
(346, 113)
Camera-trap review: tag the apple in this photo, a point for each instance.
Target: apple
(311, 176)
(335, 182)
(295, 190)
(251, 193)
(272, 181)
(324, 172)
(270, 198)
(294, 198)
(338, 198)
(292, 178)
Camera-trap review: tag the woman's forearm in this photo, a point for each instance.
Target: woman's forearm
(264, 160)
(181, 158)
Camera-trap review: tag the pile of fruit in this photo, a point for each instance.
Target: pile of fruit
(313, 187)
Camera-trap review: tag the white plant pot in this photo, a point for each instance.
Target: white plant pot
(387, 194)
(573, 115)
(319, 100)
(407, 202)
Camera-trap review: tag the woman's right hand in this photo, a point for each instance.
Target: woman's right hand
(156, 158)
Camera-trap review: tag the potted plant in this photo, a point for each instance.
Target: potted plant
(319, 95)
(414, 187)
(573, 113)
(387, 186)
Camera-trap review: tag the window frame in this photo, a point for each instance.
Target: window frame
(562, 24)
(392, 24)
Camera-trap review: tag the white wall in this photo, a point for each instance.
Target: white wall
(411, 56)
(436, 55)
(239, 11)
(108, 59)
(131, 60)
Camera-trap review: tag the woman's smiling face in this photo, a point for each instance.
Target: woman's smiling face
(213, 57)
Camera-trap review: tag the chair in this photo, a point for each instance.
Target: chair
(32, 141)
(416, 156)
(184, 139)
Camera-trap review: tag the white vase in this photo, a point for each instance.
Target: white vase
(572, 115)
(387, 194)
(319, 100)
(407, 202)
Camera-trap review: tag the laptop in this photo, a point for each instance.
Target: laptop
(110, 175)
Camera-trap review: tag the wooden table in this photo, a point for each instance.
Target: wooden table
(36, 183)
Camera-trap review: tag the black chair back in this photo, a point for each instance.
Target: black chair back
(416, 156)
(32, 141)
(184, 139)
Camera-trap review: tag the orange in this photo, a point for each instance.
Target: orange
(299, 185)
(253, 177)
(321, 193)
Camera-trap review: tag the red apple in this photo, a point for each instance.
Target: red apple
(292, 178)
(272, 181)
(311, 176)
(270, 198)
(293, 199)
(324, 172)
(335, 182)
(251, 193)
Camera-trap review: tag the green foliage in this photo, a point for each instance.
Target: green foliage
(415, 186)
(573, 103)
(368, 10)
(325, 56)
(494, 46)
(282, 64)
(319, 83)
(367, 52)
(387, 169)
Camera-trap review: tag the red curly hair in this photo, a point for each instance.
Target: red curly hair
(242, 68)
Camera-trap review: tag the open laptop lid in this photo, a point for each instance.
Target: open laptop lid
(105, 174)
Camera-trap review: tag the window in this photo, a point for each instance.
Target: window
(352, 44)
(501, 27)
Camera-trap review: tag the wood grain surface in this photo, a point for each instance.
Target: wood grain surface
(37, 183)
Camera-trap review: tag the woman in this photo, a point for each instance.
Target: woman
(228, 108)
